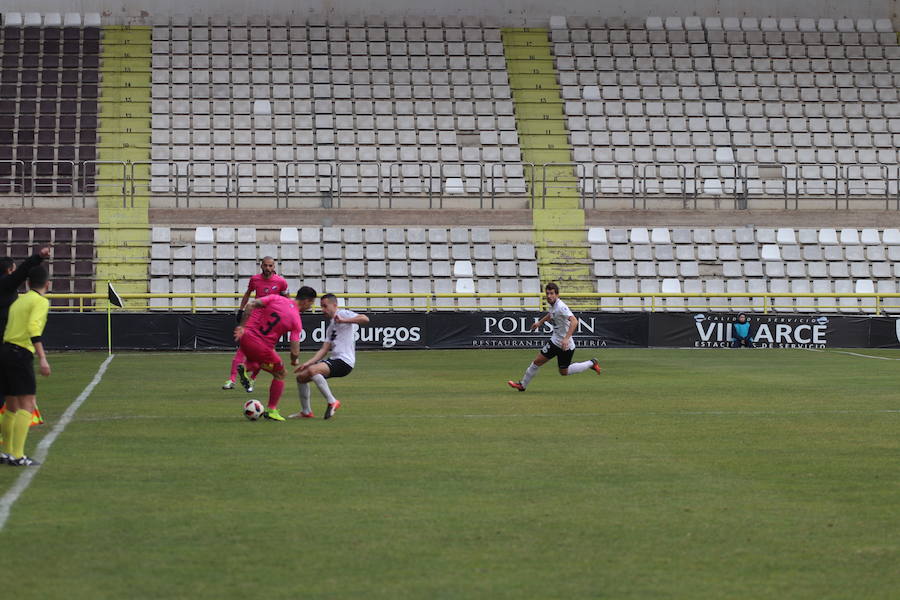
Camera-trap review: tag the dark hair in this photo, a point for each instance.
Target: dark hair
(37, 277)
(306, 293)
(330, 298)
(552, 286)
(6, 263)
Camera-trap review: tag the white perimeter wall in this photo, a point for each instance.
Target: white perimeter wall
(507, 12)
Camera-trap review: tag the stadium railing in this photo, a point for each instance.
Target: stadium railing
(844, 184)
(876, 303)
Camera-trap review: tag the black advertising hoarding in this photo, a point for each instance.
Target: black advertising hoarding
(384, 330)
(87, 331)
(501, 330)
(884, 332)
(511, 330)
(713, 330)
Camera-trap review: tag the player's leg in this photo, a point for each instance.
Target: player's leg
(546, 353)
(580, 367)
(305, 403)
(21, 425)
(271, 363)
(276, 389)
(303, 379)
(7, 428)
(254, 352)
(236, 360)
(318, 373)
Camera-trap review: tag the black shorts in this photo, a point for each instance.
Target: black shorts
(17, 371)
(563, 357)
(337, 368)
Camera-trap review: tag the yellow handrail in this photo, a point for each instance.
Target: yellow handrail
(532, 301)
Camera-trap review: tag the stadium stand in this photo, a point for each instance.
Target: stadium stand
(48, 106)
(658, 107)
(370, 106)
(365, 260)
(724, 106)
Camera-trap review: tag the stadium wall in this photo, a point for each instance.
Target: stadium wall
(508, 330)
(509, 12)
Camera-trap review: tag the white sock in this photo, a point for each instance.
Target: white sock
(303, 392)
(530, 372)
(320, 382)
(579, 367)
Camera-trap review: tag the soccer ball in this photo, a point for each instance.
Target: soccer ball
(253, 409)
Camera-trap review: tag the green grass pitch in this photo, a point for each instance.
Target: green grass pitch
(675, 474)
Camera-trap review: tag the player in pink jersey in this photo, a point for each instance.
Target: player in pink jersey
(265, 320)
(264, 283)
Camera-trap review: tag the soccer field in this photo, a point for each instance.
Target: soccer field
(675, 474)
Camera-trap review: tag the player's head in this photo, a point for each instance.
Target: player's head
(6, 265)
(306, 297)
(38, 279)
(552, 291)
(742, 318)
(267, 266)
(329, 305)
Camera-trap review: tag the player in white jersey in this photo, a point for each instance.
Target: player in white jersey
(561, 344)
(340, 341)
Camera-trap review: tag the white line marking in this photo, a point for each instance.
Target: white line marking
(852, 354)
(43, 448)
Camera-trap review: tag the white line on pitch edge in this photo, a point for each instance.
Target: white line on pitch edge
(43, 448)
(852, 354)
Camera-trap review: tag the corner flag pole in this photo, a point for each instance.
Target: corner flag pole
(113, 298)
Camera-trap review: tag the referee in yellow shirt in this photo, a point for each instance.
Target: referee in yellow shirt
(21, 341)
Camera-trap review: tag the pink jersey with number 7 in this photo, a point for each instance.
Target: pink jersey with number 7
(277, 316)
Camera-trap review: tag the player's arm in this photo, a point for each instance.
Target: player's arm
(323, 351)
(36, 323)
(295, 346)
(245, 299)
(245, 314)
(15, 279)
(240, 311)
(358, 319)
(540, 322)
(42, 358)
(573, 325)
(249, 307)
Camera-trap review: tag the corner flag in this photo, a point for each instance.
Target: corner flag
(113, 297)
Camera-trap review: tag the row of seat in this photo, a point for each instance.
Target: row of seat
(751, 251)
(228, 269)
(703, 48)
(699, 36)
(305, 91)
(344, 287)
(828, 72)
(34, 20)
(361, 48)
(315, 235)
(318, 21)
(725, 302)
(748, 268)
(825, 236)
(322, 62)
(725, 24)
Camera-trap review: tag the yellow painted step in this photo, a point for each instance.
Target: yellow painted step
(127, 51)
(132, 94)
